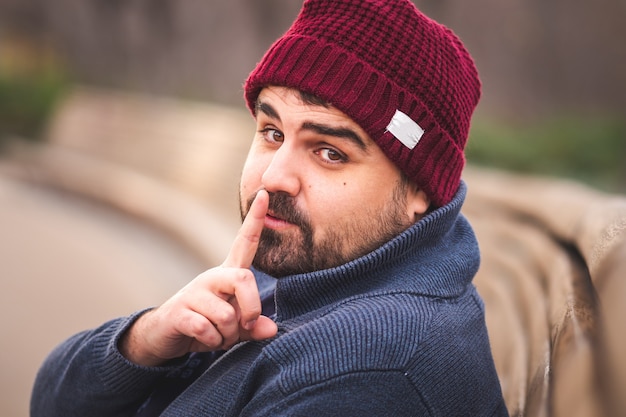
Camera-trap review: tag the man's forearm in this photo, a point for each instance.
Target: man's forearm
(87, 375)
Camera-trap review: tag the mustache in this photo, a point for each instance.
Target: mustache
(283, 206)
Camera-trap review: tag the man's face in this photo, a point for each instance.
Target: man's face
(334, 195)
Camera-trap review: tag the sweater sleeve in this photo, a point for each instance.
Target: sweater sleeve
(87, 376)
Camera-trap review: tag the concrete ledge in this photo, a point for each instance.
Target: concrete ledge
(552, 278)
(197, 224)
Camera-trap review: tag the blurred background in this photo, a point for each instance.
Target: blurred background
(123, 132)
(554, 73)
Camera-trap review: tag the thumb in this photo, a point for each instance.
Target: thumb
(263, 328)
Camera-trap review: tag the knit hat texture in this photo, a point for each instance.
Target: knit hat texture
(407, 80)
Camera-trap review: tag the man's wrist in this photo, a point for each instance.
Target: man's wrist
(131, 345)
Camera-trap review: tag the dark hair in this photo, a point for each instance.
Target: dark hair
(313, 100)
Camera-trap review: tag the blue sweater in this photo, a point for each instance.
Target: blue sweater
(398, 332)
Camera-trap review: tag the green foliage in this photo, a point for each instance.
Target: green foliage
(591, 151)
(26, 102)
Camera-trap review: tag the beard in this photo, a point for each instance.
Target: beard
(295, 252)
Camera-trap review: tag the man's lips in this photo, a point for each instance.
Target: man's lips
(272, 221)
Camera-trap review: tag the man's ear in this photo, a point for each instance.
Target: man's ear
(418, 202)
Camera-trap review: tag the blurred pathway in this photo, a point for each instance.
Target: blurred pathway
(68, 263)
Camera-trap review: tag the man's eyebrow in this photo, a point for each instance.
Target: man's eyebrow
(267, 109)
(338, 132)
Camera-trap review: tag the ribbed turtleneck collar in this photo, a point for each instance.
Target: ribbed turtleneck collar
(438, 256)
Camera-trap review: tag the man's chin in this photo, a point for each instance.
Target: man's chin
(276, 269)
(278, 254)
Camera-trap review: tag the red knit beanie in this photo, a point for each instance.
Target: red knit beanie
(405, 79)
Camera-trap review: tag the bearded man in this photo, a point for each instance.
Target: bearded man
(348, 289)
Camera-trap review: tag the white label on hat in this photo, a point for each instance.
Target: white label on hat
(405, 129)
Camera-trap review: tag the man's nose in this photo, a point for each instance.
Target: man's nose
(283, 172)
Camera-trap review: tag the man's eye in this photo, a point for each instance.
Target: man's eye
(331, 155)
(272, 135)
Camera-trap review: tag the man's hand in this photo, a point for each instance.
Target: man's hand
(216, 310)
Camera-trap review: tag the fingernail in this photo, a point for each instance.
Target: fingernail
(249, 325)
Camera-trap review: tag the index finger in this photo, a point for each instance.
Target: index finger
(247, 240)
